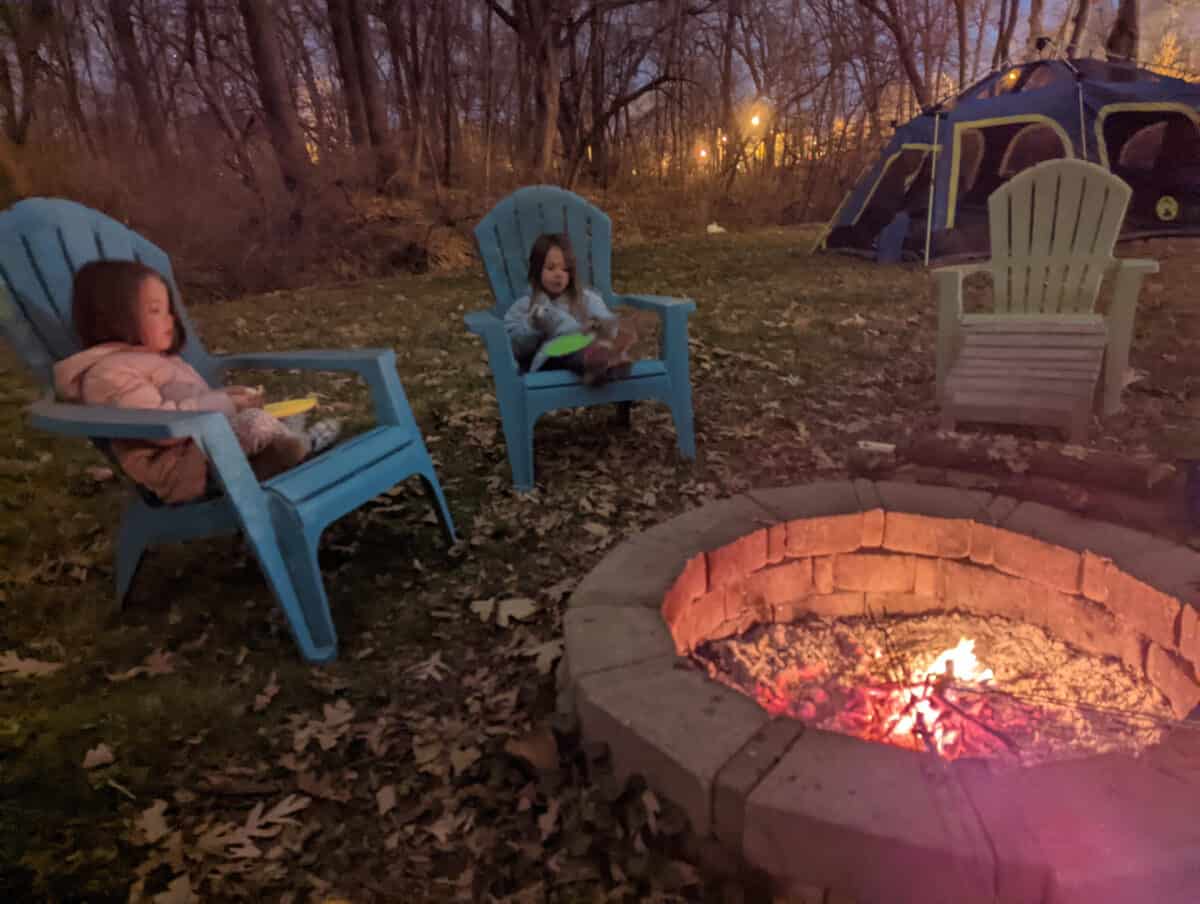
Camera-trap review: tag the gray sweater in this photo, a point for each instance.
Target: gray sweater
(532, 322)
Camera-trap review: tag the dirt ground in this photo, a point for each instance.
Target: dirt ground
(180, 747)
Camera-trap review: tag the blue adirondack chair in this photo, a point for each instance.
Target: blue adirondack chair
(504, 238)
(43, 241)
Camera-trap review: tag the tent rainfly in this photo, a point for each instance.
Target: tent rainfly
(1142, 126)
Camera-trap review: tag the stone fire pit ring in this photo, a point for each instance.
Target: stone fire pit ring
(817, 809)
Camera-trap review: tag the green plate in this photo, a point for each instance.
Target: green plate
(567, 345)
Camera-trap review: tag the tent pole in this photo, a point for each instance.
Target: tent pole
(937, 118)
(1082, 124)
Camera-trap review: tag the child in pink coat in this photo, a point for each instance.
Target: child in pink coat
(124, 317)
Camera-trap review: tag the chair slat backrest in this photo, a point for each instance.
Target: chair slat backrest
(506, 235)
(1066, 215)
(43, 242)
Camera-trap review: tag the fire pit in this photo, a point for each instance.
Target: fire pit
(788, 774)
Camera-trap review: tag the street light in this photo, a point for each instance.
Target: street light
(754, 120)
(703, 153)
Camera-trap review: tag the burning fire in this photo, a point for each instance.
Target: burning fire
(920, 706)
(922, 711)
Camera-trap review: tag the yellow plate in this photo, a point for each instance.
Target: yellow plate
(290, 407)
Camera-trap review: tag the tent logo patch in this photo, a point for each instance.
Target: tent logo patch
(1167, 208)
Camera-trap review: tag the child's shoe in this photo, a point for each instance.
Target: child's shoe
(323, 434)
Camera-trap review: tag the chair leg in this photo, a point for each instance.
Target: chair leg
(519, 438)
(624, 416)
(433, 488)
(294, 574)
(133, 536)
(681, 412)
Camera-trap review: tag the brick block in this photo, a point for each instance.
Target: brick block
(780, 583)
(732, 562)
(742, 620)
(699, 621)
(824, 536)
(986, 591)
(690, 585)
(927, 536)
(901, 603)
(1093, 581)
(927, 577)
(983, 543)
(1085, 624)
(1149, 611)
(1037, 560)
(845, 604)
(873, 527)
(776, 543)
(1189, 635)
(1174, 677)
(823, 574)
(874, 572)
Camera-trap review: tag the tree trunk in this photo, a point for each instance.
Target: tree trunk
(1121, 46)
(960, 21)
(1077, 27)
(447, 94)
(1036, 8)
(893, 20)
(368, 76)
(138, 79)
(347, 61)
(547, 84)
(283, 126)
(488, 106)
(210, 86)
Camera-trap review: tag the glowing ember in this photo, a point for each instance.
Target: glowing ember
(862, 678)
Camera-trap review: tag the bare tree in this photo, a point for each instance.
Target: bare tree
(896, 21)
(1036, 8)
(283, 125)
(1078, 24)
(1122, 43)
(137, 76)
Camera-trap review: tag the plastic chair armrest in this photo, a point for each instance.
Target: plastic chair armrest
(104, 422)
(490, 328)
(659, 304)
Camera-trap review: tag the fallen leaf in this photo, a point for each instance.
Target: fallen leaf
(263, 699)
(518, 608)
(548, 821)
(463, 758)
(322, 787)
(150, 824)
(545, 654)
(98, 756)
(596, 530)
(160, 662)
(99, 474)
(179, 891)
(12, 664)
(385, 799)
(539, 748)
(650, 802)
(484, 609)
(431, 669)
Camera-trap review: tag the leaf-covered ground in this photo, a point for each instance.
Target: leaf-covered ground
(180, 747)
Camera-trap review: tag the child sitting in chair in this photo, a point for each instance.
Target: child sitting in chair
(125, 320)
(558, 306)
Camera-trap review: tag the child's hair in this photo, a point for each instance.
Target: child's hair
(104, 303)
(537, 260)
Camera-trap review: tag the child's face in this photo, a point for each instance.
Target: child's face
(155, 322)
(555, 275)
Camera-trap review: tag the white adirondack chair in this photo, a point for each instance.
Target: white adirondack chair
(1036, 359)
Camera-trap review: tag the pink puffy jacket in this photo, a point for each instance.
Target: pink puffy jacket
(130, 376)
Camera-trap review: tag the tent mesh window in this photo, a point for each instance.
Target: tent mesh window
(1158, 153)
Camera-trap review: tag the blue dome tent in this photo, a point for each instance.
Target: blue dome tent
(1143, 126)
